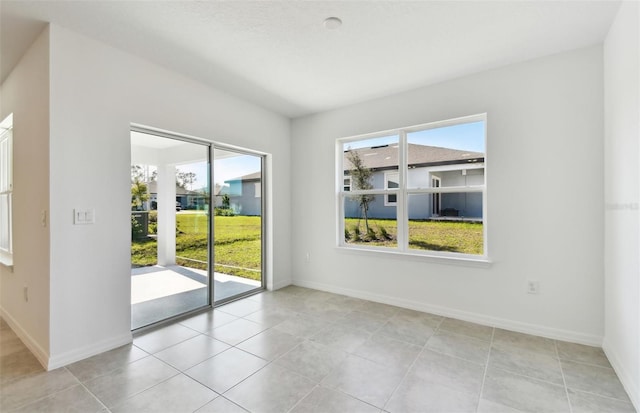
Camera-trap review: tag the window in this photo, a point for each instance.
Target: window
(257, 189)
(419, 190)
(346, 184)
(6, 188)
(391, 181)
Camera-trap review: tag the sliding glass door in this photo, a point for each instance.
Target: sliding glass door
(186, 232)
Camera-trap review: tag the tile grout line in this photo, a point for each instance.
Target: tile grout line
(486, 366)
(46, 396)
(150, 387)
(302, 398)
(564, 381)
(406, 373)
(104, 406)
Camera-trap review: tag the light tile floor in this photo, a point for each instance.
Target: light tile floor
(301, 350)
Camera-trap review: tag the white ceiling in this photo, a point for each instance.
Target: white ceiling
(279, 55)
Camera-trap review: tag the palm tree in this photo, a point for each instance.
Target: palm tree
(139, 194)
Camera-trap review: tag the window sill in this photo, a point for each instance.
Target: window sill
(449, 259)
(6, 260)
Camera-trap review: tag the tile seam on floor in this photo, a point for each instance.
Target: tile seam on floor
(300, 401)
(253, 374)
(351, 396)
(104, 406)
(452, 355)
(46, 396)
(585, 363)
(111, 371)
(146, 388)
(529, 377)
(486, 367)
(404, 376)
(564, 381)
(602, 396)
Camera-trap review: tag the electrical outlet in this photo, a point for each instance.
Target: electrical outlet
(533, 287)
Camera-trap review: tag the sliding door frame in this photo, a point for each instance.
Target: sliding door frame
(210, 272)
(263, 220)
(264, 215)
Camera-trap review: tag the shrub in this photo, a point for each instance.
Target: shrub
(153, 222)
(136, 228)
(371, 234)
(356, 232)
(347, 235)
(224, 212)
(383, 233)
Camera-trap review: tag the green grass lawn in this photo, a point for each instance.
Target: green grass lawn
(238, 244)
(461, 237)
(237, 250)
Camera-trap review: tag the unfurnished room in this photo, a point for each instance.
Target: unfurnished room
(320, 206)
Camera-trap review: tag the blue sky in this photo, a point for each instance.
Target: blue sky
(465, 136)
(223, 169)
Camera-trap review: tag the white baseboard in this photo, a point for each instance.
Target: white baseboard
(63, 359)
(281, 284)
(40, 353)
(51, 362)
(512, 325)
(632, 388)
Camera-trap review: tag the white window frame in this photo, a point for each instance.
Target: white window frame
(6, 187)
(402, 195)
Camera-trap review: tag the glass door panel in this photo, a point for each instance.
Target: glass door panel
(238, 223)
(170, 228)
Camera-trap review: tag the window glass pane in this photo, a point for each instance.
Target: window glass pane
(4, 222)
(366, 161)
(4, 163)
(454, 154)
(380, 227)
(451, 222)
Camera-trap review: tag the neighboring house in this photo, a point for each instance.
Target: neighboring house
(429, 166)
(245, 194)
(187, 199)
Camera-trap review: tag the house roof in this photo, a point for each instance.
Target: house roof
(386, 156)
(255, 176)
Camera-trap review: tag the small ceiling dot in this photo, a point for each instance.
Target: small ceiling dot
(332, 23)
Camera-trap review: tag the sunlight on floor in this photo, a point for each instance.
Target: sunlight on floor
(145, 287)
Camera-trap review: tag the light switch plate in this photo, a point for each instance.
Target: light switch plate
(84, 216)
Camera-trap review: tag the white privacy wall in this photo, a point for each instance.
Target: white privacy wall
(545, 200)
(96, 92)
(25, 93)
(622, 197)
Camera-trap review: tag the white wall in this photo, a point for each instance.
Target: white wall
(96, 92)
(25, 93)
(545, 188)
(622, 197)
